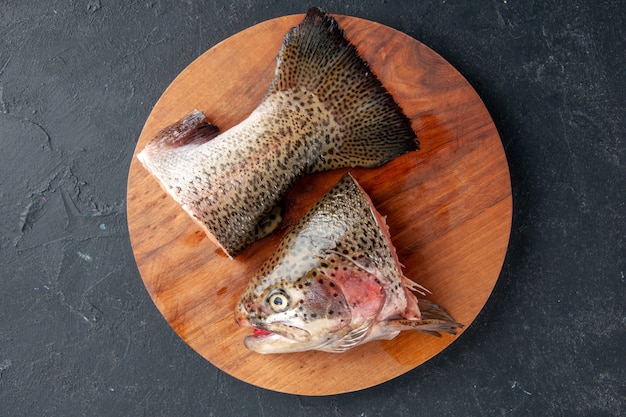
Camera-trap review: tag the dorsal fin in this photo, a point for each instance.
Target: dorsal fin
(192, 129)
(317, 57)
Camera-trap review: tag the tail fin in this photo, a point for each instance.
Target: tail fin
(316, 56)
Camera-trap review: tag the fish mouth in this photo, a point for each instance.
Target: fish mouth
(277, 338)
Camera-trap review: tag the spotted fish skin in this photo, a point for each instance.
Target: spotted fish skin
(324, 110)
(334, 283)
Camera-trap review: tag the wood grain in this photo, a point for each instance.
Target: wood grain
(448, 207)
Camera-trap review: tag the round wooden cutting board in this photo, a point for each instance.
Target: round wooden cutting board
(448, 207)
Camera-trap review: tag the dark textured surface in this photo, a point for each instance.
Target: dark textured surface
(79, 334)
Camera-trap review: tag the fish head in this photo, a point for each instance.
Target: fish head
(288, 315)
(331, 308)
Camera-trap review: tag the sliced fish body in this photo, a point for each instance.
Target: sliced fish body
(324, 109)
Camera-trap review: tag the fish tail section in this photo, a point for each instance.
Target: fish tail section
(317, 57)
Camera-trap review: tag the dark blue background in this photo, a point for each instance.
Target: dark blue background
(79, 335)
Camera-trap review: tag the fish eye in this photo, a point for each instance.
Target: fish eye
(278, 300)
